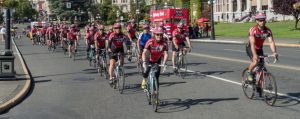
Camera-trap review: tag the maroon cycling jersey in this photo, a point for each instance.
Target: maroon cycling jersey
(131, 31)
(156, 49)
(72, 35)
(179, 36)
(90, 38)
(260, 35)
(117, 40)
(100, 39)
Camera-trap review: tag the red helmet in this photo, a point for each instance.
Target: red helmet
(72, 26)
(158, 31)
(117, 25)
(260, 16)
(100, 27)
(180, 25)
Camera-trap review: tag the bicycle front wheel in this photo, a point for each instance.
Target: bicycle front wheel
(121, 81)
(269, 89)
(154, 95)
(248, 88)
(183, 67)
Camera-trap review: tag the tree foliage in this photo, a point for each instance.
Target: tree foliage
(1, 18)
(286, 8)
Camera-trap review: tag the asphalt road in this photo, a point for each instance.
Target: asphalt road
(66, 89)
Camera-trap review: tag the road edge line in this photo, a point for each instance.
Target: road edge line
(19, 96)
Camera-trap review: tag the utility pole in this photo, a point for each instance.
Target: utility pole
(212, 35)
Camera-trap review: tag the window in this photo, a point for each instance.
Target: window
(176, 21)
(114, 1)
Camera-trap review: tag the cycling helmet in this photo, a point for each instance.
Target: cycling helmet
(101, 27)
(160, 24)
(132, 21)
(117, 25)
(158, 31)
(260, 16)
(180, 25)
(72, 26)
(91, 29)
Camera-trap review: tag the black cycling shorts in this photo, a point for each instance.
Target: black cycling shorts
(115, 52)
(259, 52)
(71, 42)
(180, 45)
(141, 49)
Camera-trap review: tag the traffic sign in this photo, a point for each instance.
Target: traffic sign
(69, 5)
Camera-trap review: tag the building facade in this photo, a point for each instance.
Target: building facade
(123, 4)
(42, 6)
(244, 10)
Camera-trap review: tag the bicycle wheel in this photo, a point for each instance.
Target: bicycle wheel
(248, 88)
(148, 91)
(269, 89)
(154, 95)
(121, 81)
(183, 67)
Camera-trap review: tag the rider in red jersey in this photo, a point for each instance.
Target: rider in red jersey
(257, 36)
(89, 39)
(115, 47)
(179, 37)
(100, 38)
(158, 49)
(72, 39)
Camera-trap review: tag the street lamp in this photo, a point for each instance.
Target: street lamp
(212, 35)
(137, 17)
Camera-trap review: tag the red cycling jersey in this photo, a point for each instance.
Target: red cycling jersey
(117, 40)
(131, 31)
(44, 30)
(260, 35)
(100, 39)
(33, 30)
(156, 49)
(90, 38)
(179, 36)
(72, 35)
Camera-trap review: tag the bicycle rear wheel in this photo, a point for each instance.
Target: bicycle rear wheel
(121, 81)
(248, 88)
(148, 92)
(154, 95)
(269, 89)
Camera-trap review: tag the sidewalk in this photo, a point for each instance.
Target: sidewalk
(13, 91)
(283, 42)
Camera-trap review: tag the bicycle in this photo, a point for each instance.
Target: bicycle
(119, 77)
(152, 90)
(73, 53)
(263, 82)
(102, 64)
(92, 55)
(181, 63)
(134, 54)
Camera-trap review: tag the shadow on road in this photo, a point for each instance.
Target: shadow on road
(283, 101)
(177, 105)
(167, 84)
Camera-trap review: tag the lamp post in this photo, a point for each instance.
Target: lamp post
(212, 35)
(7, 57)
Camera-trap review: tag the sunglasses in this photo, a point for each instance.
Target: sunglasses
(261, 20)
(158, 34)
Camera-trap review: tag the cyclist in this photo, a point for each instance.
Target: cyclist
(64, 37)
(115, 46)
(71, 39)
(257, 36)
(143, 38)
(157, 48)
(100, 38)
(43, 31)
(179, 36)
(34, 34)
(131, 30)
(89, 40)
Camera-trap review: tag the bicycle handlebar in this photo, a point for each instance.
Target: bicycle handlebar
(267, 56)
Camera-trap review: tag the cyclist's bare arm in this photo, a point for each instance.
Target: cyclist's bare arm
(252, 45)
(189, 42)
(145, 52)
(174, 42)
(272, 45)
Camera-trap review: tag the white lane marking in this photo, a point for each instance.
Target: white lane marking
(237, 83)
(235, 50)
(244, 61)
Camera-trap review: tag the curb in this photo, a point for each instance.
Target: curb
(242, 42)
(23, 92)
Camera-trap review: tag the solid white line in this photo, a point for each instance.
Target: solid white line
(235, 50)
(237, 83)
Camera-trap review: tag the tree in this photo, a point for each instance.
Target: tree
(104, 10)
(1, 18)
(24, 9)
(286, 8)
(112, 15)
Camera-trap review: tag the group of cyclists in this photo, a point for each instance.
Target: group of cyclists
(153, 42)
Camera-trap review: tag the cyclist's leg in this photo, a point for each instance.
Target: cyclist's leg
(122, 56)
(253, 62)
(112, 60)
